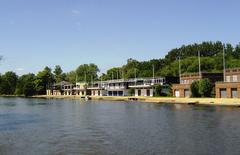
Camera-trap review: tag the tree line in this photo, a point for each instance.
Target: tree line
(211, 61)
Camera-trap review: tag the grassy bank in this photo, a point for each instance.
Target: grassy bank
(197, 101)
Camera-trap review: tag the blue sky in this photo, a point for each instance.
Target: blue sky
(38, 33)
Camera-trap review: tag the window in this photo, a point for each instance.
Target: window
(148, 92)
(235, 78)
(228, 78)
(139, 92)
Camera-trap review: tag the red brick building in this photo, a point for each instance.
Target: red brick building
(231, 87)
(183, 89)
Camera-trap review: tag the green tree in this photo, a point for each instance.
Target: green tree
(43, 80)
(195, 89)
(158, 90)
(71, 76)
(88, 71)
(8, 83)
(131, 92)
(26, 85)
(29, 89)
(205, 87)
(58, 74)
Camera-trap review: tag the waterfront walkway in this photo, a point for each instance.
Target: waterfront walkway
(173, 100)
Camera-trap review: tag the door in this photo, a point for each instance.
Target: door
(99, 93)
(148, 92)
(139, 92)
(234, 92)
(186, 93)
(177, 93)
(223, 93)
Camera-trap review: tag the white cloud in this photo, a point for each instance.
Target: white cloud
(75, 12)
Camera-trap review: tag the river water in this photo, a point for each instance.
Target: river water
(41, 126)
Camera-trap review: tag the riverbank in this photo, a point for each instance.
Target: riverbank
(172, 100)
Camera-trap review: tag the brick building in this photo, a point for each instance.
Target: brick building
(183, 89)
(231, 87)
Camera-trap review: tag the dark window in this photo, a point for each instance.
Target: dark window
(115, 93)
(139, 92)
(99, 93)
(148, 92)
(120, 93)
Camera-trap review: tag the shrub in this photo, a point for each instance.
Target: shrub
(131, 92)
(158, 90)
(205, 87)
(195, 89)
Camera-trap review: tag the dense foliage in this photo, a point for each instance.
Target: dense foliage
(158, 90)
(211, 61)
(201, 88)
(195, 89)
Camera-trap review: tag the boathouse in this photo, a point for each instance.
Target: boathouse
(183, 89)
(231, 87)
(146, 86)
(118, 87)
(98, 88)
(57, 89)
(80, 89)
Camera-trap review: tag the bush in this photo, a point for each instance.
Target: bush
(158, 90)
(201, 88)
(205, 87)
(131, 92)
(29, 89)
(195, 89)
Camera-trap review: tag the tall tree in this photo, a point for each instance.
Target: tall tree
(71, 76)
(205, 87)
(58, 73)
(87, 72)
(8, 83)
(26, 85)
(43, 80)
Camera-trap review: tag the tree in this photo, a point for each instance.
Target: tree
(29, 89)
(26, 85)
(43, 80)
(158, 90)
(195, 89)
(114, 73)
(131, 91)
(71, 76)
(205, 87)
(58, 74)
(8, 83)
(87, 72)
(201, 88)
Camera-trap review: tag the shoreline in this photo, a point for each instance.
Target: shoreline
(233, 102)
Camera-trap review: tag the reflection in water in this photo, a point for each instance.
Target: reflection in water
(39, 126)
